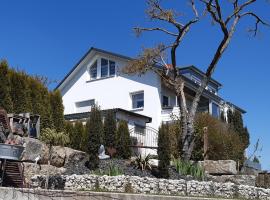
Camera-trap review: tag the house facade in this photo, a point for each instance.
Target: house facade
(97, 79)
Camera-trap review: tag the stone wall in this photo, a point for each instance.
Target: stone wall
(145, 185)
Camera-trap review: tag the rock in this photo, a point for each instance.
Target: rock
(75, 161)
(220, 167)
(35, 148)
(58, 156)
(31, 169)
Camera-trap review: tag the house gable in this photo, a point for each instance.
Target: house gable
(88, 59)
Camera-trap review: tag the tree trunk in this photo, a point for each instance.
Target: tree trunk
(188, 139)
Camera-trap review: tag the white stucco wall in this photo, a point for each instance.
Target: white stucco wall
(113, 92)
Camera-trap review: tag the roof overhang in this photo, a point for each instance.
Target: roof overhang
(86, 115)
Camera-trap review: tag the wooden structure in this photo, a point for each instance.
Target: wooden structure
(263, 180)
(25, 124)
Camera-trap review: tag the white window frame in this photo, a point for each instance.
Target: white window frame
(131, 96)
(78, 107)
(94, 78)
(110, 61)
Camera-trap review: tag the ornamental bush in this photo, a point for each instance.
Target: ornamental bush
(110, 129)
(224, 143)
(95, 136)
(123, 140)
(163, 151)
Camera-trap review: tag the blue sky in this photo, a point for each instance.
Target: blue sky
(49, 37)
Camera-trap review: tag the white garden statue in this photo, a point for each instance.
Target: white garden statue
(101, 153)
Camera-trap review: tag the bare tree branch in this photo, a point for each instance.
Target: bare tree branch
(238, 9)
(258, 21)
(139, 30)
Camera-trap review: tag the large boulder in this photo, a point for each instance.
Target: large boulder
(58, 156)
(75, 161)
(34, 149)
(220, 167)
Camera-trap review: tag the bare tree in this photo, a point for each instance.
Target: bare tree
(154, 58)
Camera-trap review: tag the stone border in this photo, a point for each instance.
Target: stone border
(133, 184)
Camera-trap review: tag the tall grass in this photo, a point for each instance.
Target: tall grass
(188, 168)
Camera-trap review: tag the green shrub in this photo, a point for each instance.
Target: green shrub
(5, 87)
(54, 138)
(142, 163)
(163, 151)
(75, 132)
(95, 136)
(224, 143)
(20, 92)
(113, 170)
(110, 130)
(57, 110)
(174, 138)
(123, 140)
(187, 168)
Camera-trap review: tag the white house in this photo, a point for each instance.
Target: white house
(143, 101)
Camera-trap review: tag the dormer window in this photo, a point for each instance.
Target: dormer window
(104, 67)
(93, 71)
(107, 68)
(112, 68)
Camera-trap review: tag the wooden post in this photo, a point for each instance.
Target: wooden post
(205, 143)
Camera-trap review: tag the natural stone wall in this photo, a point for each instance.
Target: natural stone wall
(145, 185)
(237, 179)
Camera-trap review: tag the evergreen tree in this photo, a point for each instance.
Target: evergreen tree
(237, 124)
(5, 98)
(46, 111)
(163, 151)
(58, 110)
(77, 135)
(95, 135)
(20, 92)
(123, 140)
(110, 129)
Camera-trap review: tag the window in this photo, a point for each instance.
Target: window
(137, 100)
(165, 101)
(93, 71)
(84, 106)
(112, 68)
(215, 110)
(104, 67)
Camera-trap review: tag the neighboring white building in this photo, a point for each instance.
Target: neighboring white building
(97, 78)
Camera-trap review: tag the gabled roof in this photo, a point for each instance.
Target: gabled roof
(85, 55)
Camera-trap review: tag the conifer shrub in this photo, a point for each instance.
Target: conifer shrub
(110, 130)
(123, 140)
(95, 136)
(22, 93)
(58, 110)
(5, 87)
(163, 151)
